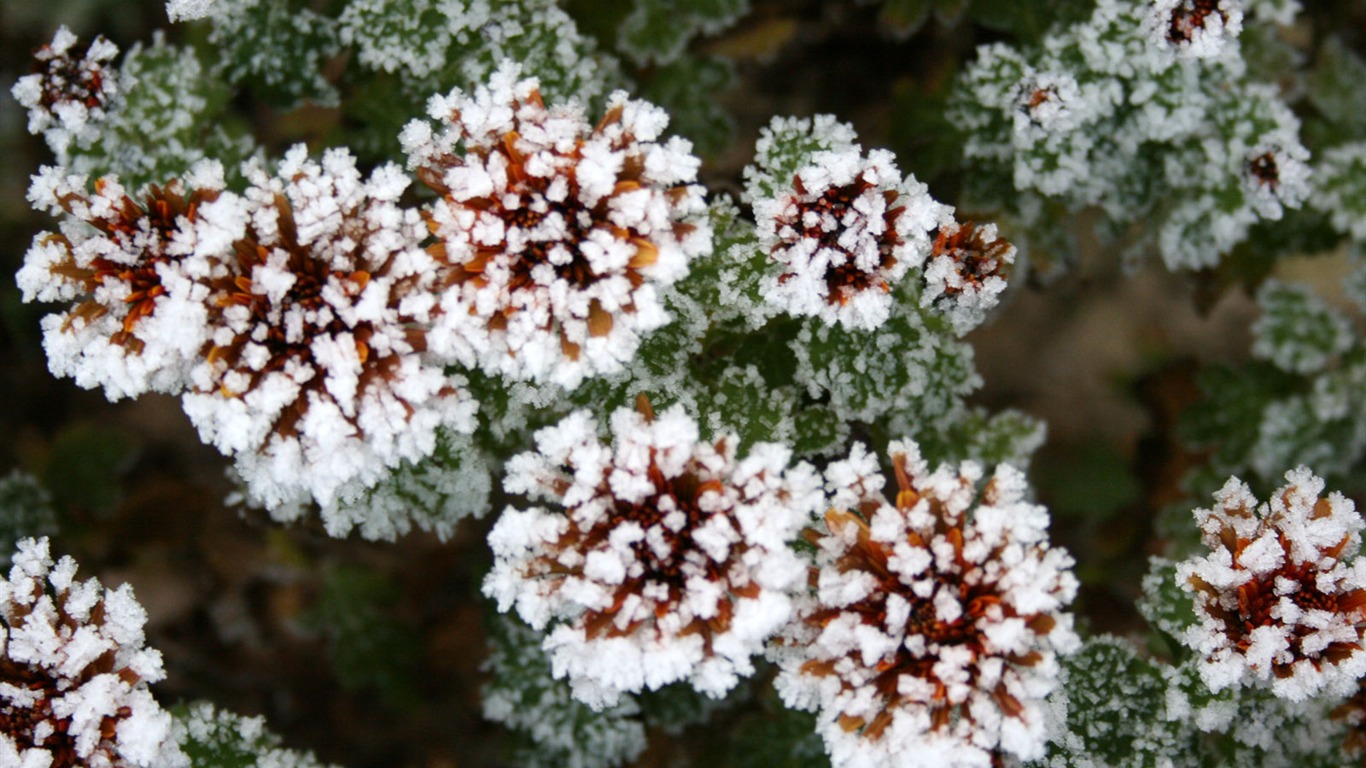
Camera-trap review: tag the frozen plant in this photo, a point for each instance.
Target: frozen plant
(668, 561)
(1281, 598)
(931, 634)
(408, 263)
(556, 235)
(75, 671)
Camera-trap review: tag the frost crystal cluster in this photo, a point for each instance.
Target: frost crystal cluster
(1281, 598)
(556, 235)
(74, 671)
(932, 632)
(666, 557)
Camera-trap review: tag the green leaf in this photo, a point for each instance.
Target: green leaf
(213, 738)
(25, 511)
(370, 649)
(689, 89)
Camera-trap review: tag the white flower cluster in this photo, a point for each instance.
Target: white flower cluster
(1100, 115)
(74, 672)
(557, 234)
(295, 314)
(1198, 29)
(67, 97)
(665, 559)
(1280, 599)
(844, 228)
(932, 633)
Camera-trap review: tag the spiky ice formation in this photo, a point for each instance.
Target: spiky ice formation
(932, 632)
(666, 559)
(74, 671)
(1280, 600)
(555, 235)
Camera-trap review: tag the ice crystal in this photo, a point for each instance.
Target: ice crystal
(68, 93)
(74, 672)
(668, 559)
(139, 318)
(1280, 599)
(555, 235)
(932, 632)
(316, 378)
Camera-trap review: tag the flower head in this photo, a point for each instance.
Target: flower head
(1195, 28)
(74, 672)
(1276, 178)
(65, 95)
(137, 320)
(930, 638)
(315, 376)
(847, 230)
(1279, 599)
(666, 560)
(555, 234)
(966, 272)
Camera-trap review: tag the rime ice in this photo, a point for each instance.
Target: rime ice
(556, 236)
(1281, 598)
(667, 559)
(931, 633)
(74, 672)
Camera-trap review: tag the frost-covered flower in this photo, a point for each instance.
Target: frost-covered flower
(74, 672)
(66, 95)
(666, 558)
(966, 273)
(1276, 178)
(847, 229)
(316, 378)
(1047, 102)
(1280, 599)
(138, 319)
(556, 235)
(1196, 28)
(932, 632)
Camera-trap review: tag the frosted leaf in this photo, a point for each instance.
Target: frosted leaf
(556, 236)
(1297, 331)
(188, 10)
(1144, 110)
(25, 512)
(563, 732)
(1280, 600)
(666, 558)
(1339, 177)
(214, 738)
(316, 379)
(932, 630)
(76, 671)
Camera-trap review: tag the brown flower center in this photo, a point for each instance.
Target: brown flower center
(845, 280)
